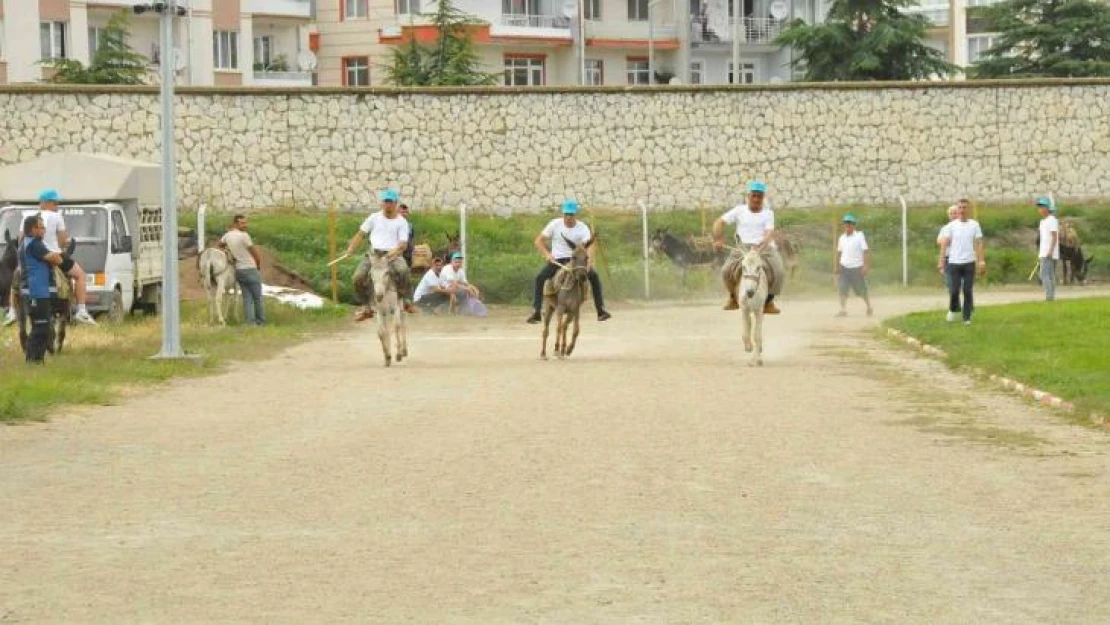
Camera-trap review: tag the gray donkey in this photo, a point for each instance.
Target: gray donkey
(562, 298)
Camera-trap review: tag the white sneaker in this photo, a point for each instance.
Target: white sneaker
(967, 322)
(951, 317)
(10, 318)
(84, 317)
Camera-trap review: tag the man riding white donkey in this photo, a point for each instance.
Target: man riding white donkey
(755, 229)
(389, 234)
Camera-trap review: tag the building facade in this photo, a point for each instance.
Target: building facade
(219, 42)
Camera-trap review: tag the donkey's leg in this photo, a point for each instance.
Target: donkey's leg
(402, 343)
(560, 332)
(383, 335)
(574, 335)
(546, 326)
(747, 334)
(758, 359)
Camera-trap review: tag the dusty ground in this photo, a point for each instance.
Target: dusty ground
(652, 478)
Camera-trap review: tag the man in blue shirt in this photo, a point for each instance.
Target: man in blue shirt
(38, 272)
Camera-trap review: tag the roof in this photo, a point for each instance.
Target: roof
(82, 177)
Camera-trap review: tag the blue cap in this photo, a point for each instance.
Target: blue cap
(1047, 203)
(756, 186)
(389, 195)
(456, 256)
(570, 207)
(849, 219)
(49, 195)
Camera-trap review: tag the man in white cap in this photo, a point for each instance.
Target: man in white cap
(853, 265)
(389, 234)
(1049, 252)
(755, 227)
(559, 231)
(56, 238)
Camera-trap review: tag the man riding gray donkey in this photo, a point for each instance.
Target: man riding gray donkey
(562, 232)
(755, 228)
(389, 233)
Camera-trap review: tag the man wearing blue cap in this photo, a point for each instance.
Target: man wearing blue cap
(853, 265)
(755, 227)
(1049, 252)
(388, 233)
(558, 231)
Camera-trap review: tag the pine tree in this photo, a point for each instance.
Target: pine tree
(865, 40)
(115, 62)
(450, 61)
(1049, 38)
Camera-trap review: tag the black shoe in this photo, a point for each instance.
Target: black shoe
(602, 315)
(535, 318)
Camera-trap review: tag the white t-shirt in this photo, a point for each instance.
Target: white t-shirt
(427, 285)
(962, 236)
(852, 249)
(751, 227)
(556, 230)
(53, 222)
(385, 233)
(1048, 226)
(944, 232)
(449, 275)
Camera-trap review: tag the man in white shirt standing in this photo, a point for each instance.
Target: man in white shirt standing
(559, 231)
(1049, 251)
(389, 234)
(248, 269)
(755, 227)
(853, 265)
(962, 245)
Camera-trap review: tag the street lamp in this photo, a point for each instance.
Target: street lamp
(171, 305)
(651, 42)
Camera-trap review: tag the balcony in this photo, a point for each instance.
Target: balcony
(525, 25)
(279, 8)
(265, 78)
(629, 30)
(754, 30)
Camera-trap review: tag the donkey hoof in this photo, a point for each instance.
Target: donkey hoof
(748, 347)
(388, 361)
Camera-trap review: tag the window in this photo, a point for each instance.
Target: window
(593, 72)
(592, 10)
(225, 49)
(977, 46)
(354, 9)
(96, 34)
(523, 71)
(52, 37)
(408, 7)
(119, 233)
(638, 72)
(356, 71)
(263, 51)
(695, 72)
(521, 7)
(748, 73)
(637, 10)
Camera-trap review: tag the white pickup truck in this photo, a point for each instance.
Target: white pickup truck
(111, 210)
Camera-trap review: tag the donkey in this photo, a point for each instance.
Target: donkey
(1074, 264)
(753, 288)
(217, 276)
(387, 308)
(682, 253)
(8, 263)
(562, 298)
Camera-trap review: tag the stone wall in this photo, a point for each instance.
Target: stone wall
(525, 150)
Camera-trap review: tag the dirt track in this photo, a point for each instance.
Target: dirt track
(653, 478)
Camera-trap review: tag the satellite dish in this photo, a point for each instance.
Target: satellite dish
(570, 8)
(779, 9)
(306, 60)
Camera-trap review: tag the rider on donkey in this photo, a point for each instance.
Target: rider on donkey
(559, 231)
(389, 234)
(755, 226)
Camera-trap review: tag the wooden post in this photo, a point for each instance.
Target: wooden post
(331, 254)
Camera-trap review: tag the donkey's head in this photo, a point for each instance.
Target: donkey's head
(381, 276)
(752, 273)
(579, 259)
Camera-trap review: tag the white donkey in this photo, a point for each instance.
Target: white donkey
(753, 294)
(387, 309)
(217, 275)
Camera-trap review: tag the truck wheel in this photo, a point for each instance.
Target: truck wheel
(115, 313)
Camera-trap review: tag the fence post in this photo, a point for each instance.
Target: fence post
(331, 254)
(905, 244)
(462, 238)
(647, 249)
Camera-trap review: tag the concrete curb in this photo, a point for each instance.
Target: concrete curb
(1043, 398)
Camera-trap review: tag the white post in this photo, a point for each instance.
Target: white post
(737, 27)
(651, 46)
(171, 306)
(647, 271)
(905, 245)
(582, 41)
(200, 228)
(462, 238)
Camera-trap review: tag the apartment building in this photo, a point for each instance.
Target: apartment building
(962, 39)
(219, 42)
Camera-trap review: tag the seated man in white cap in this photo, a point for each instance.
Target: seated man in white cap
(755, 227)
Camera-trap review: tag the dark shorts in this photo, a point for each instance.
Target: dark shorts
(852, 279)
(67, 264)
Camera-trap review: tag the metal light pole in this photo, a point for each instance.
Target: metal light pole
(736, 29)
(171, 304)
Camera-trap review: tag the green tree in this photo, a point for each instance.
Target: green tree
(865, 40)
(1051, 38)
(115, 62)
(450, 61)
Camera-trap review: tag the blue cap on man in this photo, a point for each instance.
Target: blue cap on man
(456, 256)
(389, 195)
(756, 186)
(1047, 203)
(49, 195)
(570, 207)
(849, 219)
